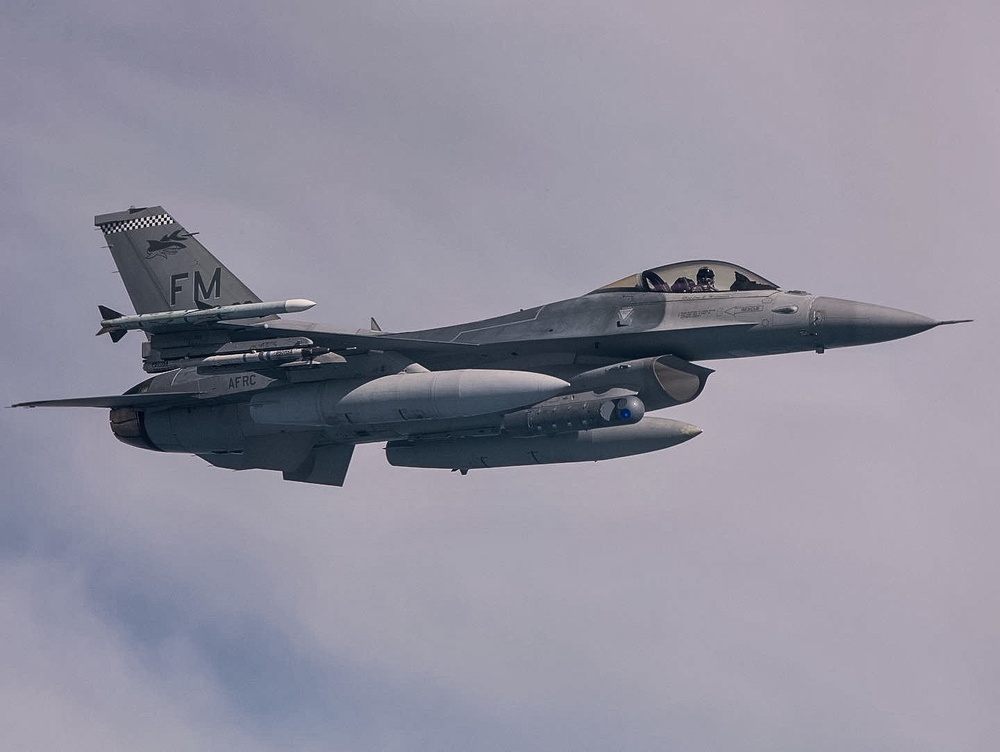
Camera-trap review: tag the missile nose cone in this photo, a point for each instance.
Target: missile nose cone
(297, 305)
(840, 323)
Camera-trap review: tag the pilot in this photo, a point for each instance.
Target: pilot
(683, 284)
(706, 280)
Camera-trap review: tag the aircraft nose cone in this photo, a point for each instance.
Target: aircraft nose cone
(840, 323)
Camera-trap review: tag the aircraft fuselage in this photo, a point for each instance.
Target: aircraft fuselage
(569, 381)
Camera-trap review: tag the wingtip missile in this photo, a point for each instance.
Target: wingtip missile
(297, 305)
(115, 322)
(108, 316)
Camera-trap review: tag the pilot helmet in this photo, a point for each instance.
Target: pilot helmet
(706, 274)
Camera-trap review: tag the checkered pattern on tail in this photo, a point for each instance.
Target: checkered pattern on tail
(109, 228)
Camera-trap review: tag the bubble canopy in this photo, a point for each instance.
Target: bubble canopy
(691, 277)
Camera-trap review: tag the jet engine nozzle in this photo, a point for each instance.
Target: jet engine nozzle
(129, 427)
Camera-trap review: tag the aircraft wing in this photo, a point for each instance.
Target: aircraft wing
(147, 401)
(340, 339)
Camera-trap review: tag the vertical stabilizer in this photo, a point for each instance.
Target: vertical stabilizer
(163, 266)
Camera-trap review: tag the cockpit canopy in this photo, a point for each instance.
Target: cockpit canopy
(691, 276)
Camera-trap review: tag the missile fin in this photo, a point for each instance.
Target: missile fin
(108, 314)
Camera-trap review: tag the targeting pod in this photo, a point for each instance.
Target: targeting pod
(568, 414)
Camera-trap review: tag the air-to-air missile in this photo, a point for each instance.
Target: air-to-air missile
(152, 322)
(236, 362)
(570, 381)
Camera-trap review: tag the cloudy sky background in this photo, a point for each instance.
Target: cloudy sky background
(816, 571)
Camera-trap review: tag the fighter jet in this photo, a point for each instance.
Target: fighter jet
(241, 387)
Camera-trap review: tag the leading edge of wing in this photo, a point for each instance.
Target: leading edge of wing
(341, 340)
(119, 400)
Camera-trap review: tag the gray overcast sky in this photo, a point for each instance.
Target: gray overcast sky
(816, 571)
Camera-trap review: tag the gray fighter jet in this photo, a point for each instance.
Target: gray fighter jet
(572, 381)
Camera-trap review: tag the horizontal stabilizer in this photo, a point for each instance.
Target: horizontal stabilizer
(138, 401)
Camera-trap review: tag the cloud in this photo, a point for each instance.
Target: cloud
(815, 570)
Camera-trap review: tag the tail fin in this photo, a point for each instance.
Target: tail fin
(162, 265)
